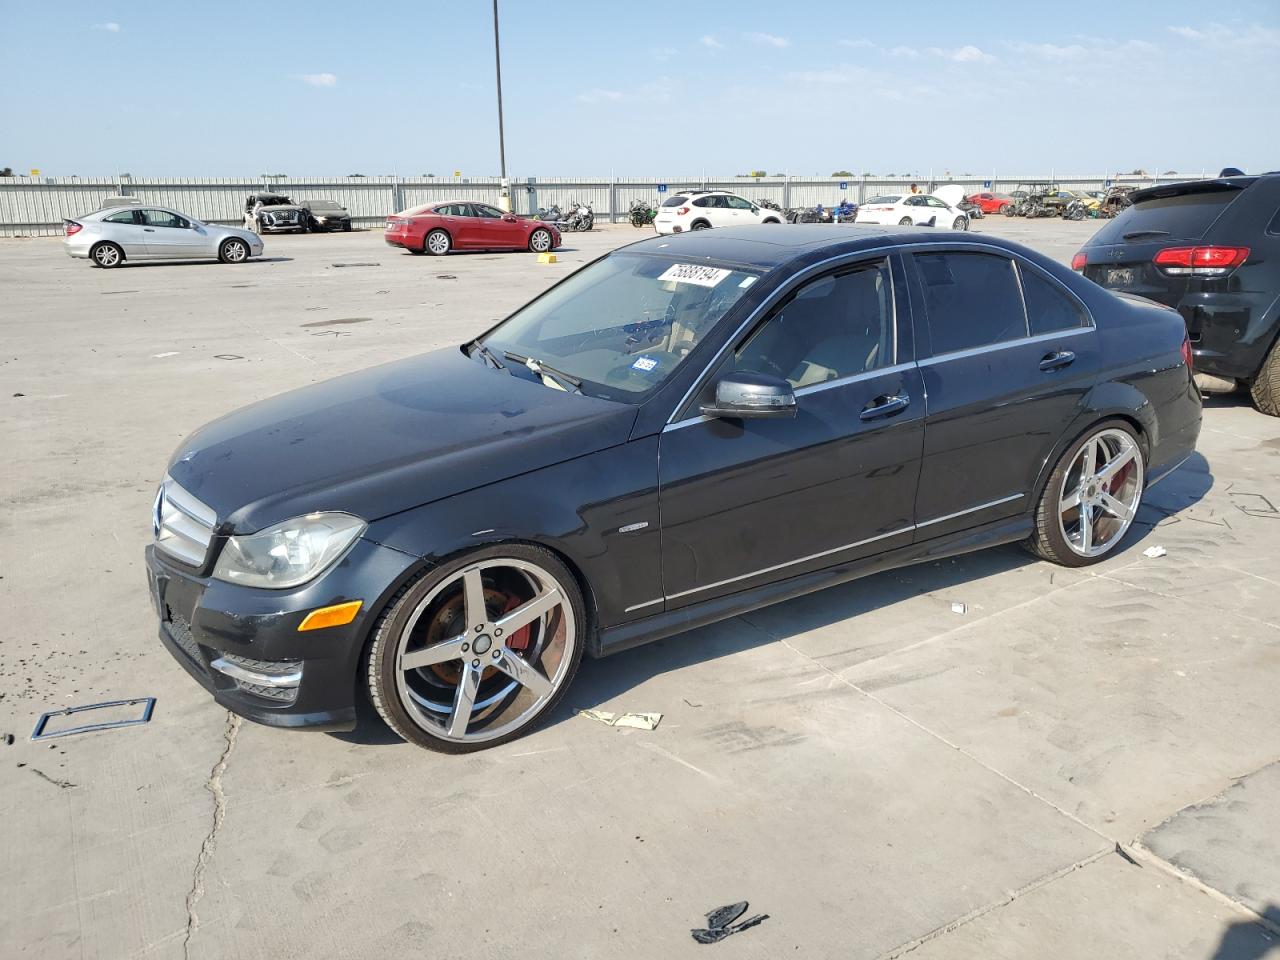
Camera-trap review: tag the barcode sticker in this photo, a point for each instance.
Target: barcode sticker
(694, 273)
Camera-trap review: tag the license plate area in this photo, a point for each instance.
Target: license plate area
(1120, 277)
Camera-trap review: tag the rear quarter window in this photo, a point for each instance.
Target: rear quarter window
(1049, 309)
(1186, 217)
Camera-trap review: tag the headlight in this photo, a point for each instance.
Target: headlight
(290, 553)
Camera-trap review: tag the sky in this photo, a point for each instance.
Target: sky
(665, 88)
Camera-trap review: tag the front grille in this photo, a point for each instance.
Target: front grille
(183, 526)
(276, 694)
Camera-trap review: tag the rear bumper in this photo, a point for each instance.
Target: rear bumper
(1230, 332)
(243, 646)
(398, 240)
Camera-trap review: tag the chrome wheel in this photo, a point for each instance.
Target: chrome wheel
(540, 241)
(438, 242)
(485, 650)
(1101, 492)
(106, 255)
(961, 223)
(235, 251)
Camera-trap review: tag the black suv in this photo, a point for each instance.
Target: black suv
(1211, 250)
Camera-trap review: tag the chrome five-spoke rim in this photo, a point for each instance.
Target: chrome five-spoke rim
(438, 243)
(485, 650)
(1101, 493)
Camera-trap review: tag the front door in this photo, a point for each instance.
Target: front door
(748, 501)
(170, 236)
(1004, 381)
(493, 231)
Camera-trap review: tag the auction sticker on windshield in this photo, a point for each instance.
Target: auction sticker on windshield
(694, 273)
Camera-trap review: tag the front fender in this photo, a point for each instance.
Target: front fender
(580, 509)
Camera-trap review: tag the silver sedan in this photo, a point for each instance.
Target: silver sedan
(109, 237)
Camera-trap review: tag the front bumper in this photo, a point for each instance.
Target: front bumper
(243, 646)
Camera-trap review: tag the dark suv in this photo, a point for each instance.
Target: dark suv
(1211, 250)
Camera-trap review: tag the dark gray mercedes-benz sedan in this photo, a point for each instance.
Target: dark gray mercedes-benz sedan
(685, 429)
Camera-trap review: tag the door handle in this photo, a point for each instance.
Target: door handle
(148, 229)
(885, 407)
(1057, 360)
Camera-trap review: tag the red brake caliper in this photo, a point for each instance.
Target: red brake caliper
(520, 639)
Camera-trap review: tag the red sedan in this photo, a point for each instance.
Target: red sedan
(990, 202)
(441, 227)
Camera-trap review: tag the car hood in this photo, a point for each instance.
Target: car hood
(388, 439)
(951, 194)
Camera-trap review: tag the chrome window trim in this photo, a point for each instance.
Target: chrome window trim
(1003, 345)
(770, 302)
(826, 553)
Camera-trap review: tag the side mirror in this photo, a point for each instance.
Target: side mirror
(743, 395)
(510, 217)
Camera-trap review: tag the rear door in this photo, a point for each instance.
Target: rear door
(1121, 256)
(1003, 381)
(462, 224)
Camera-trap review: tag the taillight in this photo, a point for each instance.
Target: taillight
(72, 227)
(1200, 261)
(1186, 351)
(1079, 260)
(682, 211)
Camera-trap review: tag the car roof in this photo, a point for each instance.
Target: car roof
(1188, 187)
(766, 247)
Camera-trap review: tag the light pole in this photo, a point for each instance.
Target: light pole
(504, 198)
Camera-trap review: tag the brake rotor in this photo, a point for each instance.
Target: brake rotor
(450, 621)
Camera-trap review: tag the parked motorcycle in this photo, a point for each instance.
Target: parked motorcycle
(769, 205)
(578, 217)
(642, 213)
(1077, 210)
(550, 214)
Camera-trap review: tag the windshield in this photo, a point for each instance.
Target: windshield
(324, 205)
(882, 200)
(623, 324)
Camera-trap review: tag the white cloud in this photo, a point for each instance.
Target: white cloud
(1050, 51)
(965, 54)
(904, 52)
(860, 43)
(600, 96)
(320, 79)
(769, 40)
(712, 42)
(108, 27)
(1221, 35)
(662, 54)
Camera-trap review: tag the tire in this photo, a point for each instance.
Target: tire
(346, 226)
(1265, 390)
(233, 250)
(1062, 540)
(960, 223)
(437, 243)
(773, 220)
(540, 240)
(904, 222)
(700, 225)
(423, 704)
(106, 255)
(1008, 210)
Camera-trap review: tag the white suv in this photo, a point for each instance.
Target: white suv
(700, 209)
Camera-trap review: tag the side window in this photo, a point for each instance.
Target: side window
(124, 216)
(933, 202)
(163, 218)
(704, 202)
(463, 210)
(971, 300)
(836, 326)
(738, 203)
(484, 210)
(1048, 308)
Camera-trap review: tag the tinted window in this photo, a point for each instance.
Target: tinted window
(324, 206)
(484, 210)
(704, 202)
(1274, 225)
(123, 217)
(163, 218)
(1048, 307)
(835, 327)
(1184, 217)
(675, 202)
(884, 200)
(972, 300)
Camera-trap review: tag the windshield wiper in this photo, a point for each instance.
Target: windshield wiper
(1134, 234)
(543, 370)
(485, 352)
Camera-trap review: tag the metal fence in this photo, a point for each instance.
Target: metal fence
(37, 206)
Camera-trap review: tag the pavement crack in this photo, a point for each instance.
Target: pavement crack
(214, 786)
